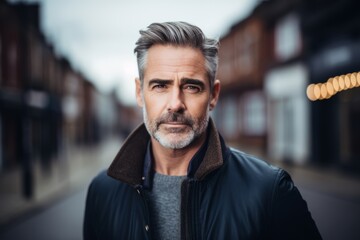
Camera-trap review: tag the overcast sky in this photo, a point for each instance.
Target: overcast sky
(98, 36)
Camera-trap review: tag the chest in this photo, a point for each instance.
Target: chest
(208, 210)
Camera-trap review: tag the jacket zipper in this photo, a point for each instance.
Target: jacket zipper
(145, 205)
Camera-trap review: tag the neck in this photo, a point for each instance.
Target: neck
(174, 162)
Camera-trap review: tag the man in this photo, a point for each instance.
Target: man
(174, 177)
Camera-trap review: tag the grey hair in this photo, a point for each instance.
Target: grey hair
(177, 34)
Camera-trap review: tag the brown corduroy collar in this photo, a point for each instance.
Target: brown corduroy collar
(129, 162)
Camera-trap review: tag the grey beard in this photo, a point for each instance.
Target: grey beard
(197, 129)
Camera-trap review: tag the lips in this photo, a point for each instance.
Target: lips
(175, 128)
(175, 123)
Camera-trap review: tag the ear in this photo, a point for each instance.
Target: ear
(215, 94)
(139, 97)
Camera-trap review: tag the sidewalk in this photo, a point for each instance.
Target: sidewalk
(71, 172)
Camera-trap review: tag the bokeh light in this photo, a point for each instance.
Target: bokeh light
(332, 86)
(353, 79)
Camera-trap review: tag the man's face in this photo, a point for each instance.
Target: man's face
(176, 95)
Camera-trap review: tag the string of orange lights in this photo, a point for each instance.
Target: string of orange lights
(321, 91)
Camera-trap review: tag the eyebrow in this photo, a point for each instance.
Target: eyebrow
(183, 81)
(159, 81)
(193, 81)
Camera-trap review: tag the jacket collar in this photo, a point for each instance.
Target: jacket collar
(128, 165)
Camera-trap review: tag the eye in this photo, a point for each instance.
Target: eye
(159, 87)
(192, 88)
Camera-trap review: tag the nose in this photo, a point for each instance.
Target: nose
(176, 101)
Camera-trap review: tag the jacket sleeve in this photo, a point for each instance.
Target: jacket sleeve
(89, 216)
(291, 218)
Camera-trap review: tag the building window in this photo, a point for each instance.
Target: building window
(230, 117)
(254, 114)
(287, 37)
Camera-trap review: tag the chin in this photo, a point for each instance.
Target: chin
(175, 142)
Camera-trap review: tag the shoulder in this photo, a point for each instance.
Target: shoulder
(103, 181)
(254, 171)
(262, 173)
(249, 164)
(104, 187)
(248, 173)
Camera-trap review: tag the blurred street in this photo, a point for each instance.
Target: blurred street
(63, 220)
(333, 198)
(290, 94)
(57, 210)
(334, 203)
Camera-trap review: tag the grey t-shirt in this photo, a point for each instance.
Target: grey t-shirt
(164, 205)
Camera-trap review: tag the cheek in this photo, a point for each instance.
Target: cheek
(198, 109)
(154, 107)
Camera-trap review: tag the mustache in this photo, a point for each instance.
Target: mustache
(175, 117)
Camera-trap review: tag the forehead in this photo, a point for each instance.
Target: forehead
(167, 61)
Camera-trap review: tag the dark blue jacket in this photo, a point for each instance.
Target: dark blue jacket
(228, 195)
